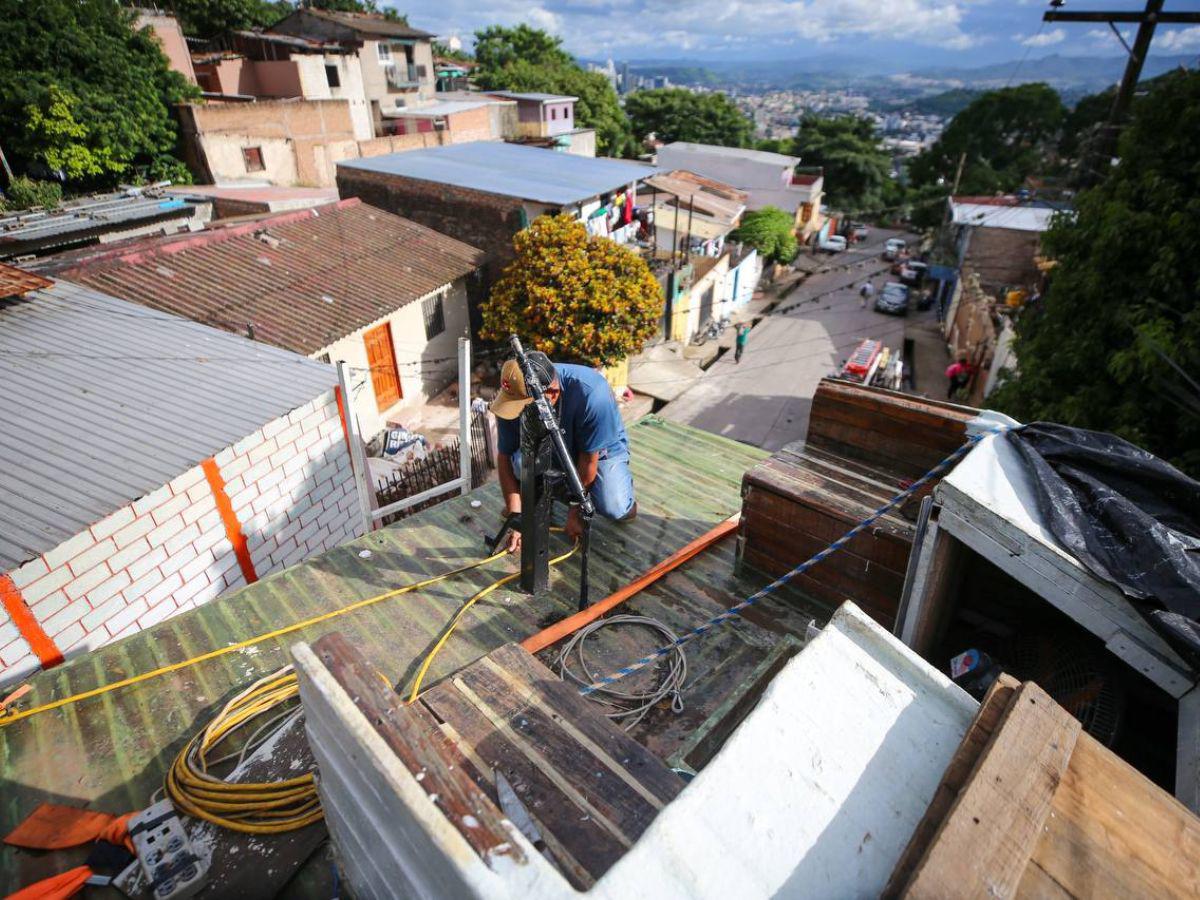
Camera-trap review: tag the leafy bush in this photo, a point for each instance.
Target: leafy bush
(25, 193)
(574, 296)
(771, 232)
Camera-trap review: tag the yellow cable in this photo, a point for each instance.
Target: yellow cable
(212, 654)
(416, 688)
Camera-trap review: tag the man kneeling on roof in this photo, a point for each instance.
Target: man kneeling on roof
(592, 428)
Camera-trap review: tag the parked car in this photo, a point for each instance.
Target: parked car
(913, 273)
(835, 243)
(893, 299)
(859, 231)
(893, 248)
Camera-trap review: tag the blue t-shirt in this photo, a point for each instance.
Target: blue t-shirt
(588, 412)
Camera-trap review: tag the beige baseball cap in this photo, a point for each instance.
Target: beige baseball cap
(513, 396)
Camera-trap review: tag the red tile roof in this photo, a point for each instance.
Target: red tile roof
(304, 279)
(15, 282)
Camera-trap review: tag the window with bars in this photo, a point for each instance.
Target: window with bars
(435, 316)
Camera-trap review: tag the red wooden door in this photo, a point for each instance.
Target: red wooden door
(381, 357)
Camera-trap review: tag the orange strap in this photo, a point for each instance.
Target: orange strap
(571, 624)
(233, 528)
(337, 393)
(56, 887)
(22, 616)
(55, 827)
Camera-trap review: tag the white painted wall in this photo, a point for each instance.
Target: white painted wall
(419, 378)
(314, 85)
(291, 489)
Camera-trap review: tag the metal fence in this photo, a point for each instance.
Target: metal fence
(439, 467)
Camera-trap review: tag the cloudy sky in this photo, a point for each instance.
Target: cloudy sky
(903, 33)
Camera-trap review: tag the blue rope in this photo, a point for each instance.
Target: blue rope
(736, 610)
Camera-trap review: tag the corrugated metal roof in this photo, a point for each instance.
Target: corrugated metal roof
(24, 230)
(493, 167)
(723, 202)
(110, 752)
(14, 282)
(443, 108)
(304, 279)
(758, 156)
(103, 401)
(363, 23)
(1014, 216)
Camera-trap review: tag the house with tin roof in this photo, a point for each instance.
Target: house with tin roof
(548, 120)
(485, 192)
(151, 464)
(345, 282)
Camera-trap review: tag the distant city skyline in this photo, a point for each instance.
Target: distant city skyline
(888, 34)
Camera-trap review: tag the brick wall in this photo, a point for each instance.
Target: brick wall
(292, 492)
(1003, 257)
(486, 221)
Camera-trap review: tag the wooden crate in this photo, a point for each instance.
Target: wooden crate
(1032, 806)
(864, 446)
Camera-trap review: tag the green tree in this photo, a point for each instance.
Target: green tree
(771, 231)
(857, 170)
(677, 114)
(1108, 345)
(497, 47)
(528, 59)
(120, 87)
(209, 18)
(65, 144)
(1003, 137)
(574, 296)
(444, 51)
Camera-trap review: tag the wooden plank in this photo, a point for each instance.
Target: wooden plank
(565, 702)
(414, 736)
(585, 846)
(1115, 833)
(986, 840)
(931, 608)
(991, 711)
(531, 728)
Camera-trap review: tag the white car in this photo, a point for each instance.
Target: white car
(835, 243)
(893, 248)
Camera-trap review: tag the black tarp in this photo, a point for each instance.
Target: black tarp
(1127, 516)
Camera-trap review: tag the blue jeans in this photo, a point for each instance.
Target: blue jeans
(612, 491)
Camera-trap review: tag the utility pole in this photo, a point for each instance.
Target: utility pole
(1147, 20)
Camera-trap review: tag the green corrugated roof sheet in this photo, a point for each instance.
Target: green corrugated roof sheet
(110, 752)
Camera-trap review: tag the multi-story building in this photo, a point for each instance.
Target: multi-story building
(769, 179)
(396, 60)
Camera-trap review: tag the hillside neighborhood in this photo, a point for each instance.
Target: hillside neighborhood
(457, 465)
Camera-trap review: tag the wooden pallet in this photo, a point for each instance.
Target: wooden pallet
(1031, 806)
(863, 446)
(591, 788)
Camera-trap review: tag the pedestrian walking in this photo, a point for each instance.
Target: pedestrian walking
(959, 373)
(739, 344)
(866, 292)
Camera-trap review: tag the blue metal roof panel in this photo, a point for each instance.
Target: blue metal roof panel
(511, 170)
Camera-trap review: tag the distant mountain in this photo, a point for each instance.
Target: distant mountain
(1066, 73)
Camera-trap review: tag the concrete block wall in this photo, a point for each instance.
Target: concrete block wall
(292, 493)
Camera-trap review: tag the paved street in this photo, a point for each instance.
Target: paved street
(765, 400)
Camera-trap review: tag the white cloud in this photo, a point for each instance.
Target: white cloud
(665, 27)
(1044, 39)
(1181, 40)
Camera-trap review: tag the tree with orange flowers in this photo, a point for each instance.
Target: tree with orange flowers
(573, 296)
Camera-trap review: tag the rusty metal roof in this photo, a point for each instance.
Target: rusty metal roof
(302, 279)
(14, 282)
(110, 752)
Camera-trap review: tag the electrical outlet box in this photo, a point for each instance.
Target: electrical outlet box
(171, 866)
